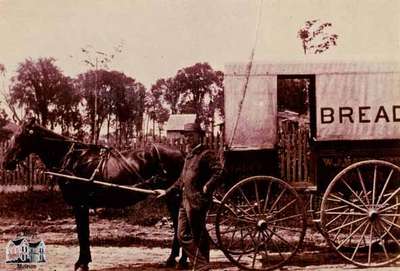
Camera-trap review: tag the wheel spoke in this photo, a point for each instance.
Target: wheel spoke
(373, 187)
(389, 207)
(265, 243)
(347, 224)
(359, 242)
(285, 218)
(389, 233)
(277, 248)
(340, 230)
(335, 208)
(344, 213)
(384, 187)
(277, 200)
(242, 239)
(390, 222)
(267, 197)
(257, 197)
(360, 178)
(351, 235)
(381, 240)
(349, 203)
(370, 246)
(390, 215)
(279, 237)
(391, 196)
(248, 202)
(337, 217)
(255, 254)
(232, 238)
(284, 208)
(354, 193)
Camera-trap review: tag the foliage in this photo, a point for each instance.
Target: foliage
(119, 99)
(316, 38)
(42, 89)
(196, 89)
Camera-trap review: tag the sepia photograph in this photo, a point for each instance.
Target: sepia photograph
(199, 135)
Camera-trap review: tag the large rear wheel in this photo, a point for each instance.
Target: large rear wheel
(360, 211)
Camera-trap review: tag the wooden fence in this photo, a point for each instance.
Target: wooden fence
(294, 151)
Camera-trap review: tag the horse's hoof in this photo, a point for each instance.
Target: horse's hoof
(81, 267)
(182, 265)
(170, 263)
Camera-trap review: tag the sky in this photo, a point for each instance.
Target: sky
(160, 37)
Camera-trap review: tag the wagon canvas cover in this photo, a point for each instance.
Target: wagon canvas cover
(358, 102)
(353, 101)
(255, 126)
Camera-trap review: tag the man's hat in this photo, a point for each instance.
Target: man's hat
(192, 127)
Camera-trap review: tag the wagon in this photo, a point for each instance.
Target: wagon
(311, 143)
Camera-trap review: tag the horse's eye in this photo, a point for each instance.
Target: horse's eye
(31, 132)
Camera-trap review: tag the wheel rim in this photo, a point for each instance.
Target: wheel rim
(210, 224)
(360, 211)
(261, 223)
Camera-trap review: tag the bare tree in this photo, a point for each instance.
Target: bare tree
(315, 37)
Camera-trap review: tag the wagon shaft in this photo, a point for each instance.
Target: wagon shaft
(113, 185)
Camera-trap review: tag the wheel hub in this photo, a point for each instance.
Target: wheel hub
(262, 224)
(373, 214)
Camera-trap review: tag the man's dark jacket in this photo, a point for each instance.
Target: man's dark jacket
(201, 168)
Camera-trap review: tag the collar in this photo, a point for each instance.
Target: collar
(196, 150)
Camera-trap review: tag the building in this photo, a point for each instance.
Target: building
(175, 125)
(21, 250)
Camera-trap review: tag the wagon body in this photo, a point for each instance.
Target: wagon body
(353, 111)
(332, 129)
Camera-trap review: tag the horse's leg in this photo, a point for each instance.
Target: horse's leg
(173, 203)
(82, 228)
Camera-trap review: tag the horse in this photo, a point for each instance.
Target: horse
(155, 167)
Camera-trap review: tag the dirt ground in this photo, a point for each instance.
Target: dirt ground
(120, 242)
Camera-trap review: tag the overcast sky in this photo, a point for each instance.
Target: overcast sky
(161, 37)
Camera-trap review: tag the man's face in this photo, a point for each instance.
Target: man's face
(192, 139)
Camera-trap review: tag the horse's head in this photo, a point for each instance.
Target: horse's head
(21, 144)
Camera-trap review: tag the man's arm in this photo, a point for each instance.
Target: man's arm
(174, 188)
(217, 170)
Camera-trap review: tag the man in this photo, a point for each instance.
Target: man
(200, 175)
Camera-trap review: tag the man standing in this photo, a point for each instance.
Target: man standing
(200, 176)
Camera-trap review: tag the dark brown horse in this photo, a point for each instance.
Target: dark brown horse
(156, 167)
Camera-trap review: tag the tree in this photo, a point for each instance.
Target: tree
(39, 87)
(154, 104)
(197, 89)
(119, 101)
(170, 92)
(67, 111)
(200, 86)
(96, 60)
(315, 37)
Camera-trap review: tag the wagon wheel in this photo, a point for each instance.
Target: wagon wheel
(261, 223)
(360, 211)
(211, 215)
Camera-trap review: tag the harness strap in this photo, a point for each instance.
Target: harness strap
(127, 166)
(159, 159)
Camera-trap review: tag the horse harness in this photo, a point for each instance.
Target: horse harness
(105, 154)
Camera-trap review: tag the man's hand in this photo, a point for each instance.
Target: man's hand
(160, 193)
(205, 189)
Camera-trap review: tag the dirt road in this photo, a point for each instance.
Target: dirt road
(120, 246)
